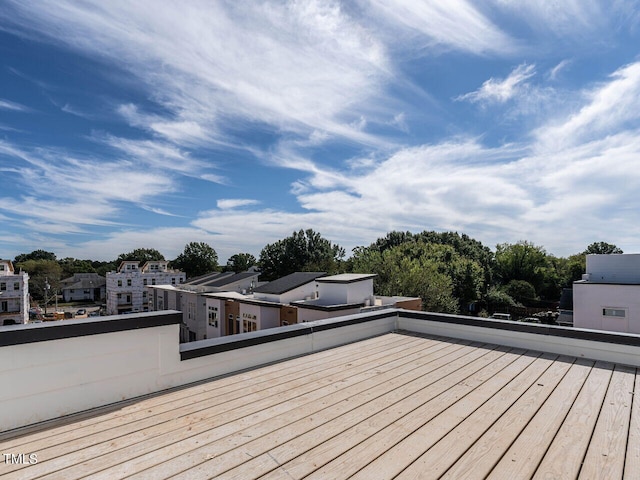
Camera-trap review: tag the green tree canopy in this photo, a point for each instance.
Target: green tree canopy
(42, 273)
(303, 251)
(35, 255)
(141, 254)
(198, 258)
(73, 265)
(445, 280)
(602, 248)
(240, 262)
(521, 261)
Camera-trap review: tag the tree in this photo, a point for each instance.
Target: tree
(240, 262)
(198, 258)
(42, 273)
(35, 255)
(303, 251)
(602, 248)
(141, 254)
(521, 261)
(73, 265)
(416, 269)
(520, 290)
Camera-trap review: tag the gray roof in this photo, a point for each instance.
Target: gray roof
(226, 280)
(83, 281)
(289, 282)
(207, 277)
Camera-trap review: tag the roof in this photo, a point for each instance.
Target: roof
(347, 278)
(397, 404)
(83, 281)
(207, 277)
(289, 282)
(322, 305)
(227, 280)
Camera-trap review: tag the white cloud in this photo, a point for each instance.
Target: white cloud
(456, 24)
(553, 73)
(310, 66)
(9, 105)
(231, 203)
(501, 90)
(609, 108)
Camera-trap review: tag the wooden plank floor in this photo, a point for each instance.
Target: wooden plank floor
(394, 406)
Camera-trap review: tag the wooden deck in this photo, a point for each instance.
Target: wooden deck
(395, 406)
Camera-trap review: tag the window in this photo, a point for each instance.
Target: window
(16, 285)
(153, 281)
(144, 282)
(119, 296)
(119, 283)
(213, 316)
(1, 267)
(614, 312)
(173, 281)
(4, 306)
(3, 286)
(128, 298)
(128, 282)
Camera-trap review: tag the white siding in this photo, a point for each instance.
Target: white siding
(623, 268)
(589, 300)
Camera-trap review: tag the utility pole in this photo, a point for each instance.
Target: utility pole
(46, 293)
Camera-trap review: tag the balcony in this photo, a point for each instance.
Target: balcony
(372, 395)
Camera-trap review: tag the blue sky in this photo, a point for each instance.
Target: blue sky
(153, 124)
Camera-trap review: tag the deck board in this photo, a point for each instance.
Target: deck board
(605, 456)
(483, 454)
(397, 405)
(566, 453)
(632, 458)
(285, 444)
(526, 452)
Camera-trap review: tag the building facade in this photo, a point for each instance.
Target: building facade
(14, 295)
(88, 287)
(126, 288)
(608, 296)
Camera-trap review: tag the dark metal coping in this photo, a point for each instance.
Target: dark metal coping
(57, 330)
(292, 331)
(535, 328)
(353, 280)
(327, 308)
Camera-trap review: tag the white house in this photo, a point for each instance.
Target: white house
(126, 290)
(608, 296)
(14, 295)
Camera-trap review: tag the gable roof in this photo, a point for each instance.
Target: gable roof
(289, 282)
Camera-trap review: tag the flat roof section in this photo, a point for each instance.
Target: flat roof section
(347, 277)
(395, 406)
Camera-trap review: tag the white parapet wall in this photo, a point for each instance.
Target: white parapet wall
(60, 368)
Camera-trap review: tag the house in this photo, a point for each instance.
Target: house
(383, 394)
(14, 295)
(126, 290)
(608, 296)
(346, 294)
(190, 298)
(88, 287)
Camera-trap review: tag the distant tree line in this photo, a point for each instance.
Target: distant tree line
(448, 270)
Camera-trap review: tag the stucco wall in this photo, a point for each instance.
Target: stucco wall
(589, 299)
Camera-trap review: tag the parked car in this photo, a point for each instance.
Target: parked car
(81, 311)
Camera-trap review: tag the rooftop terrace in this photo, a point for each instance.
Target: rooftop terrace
(412, 395)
